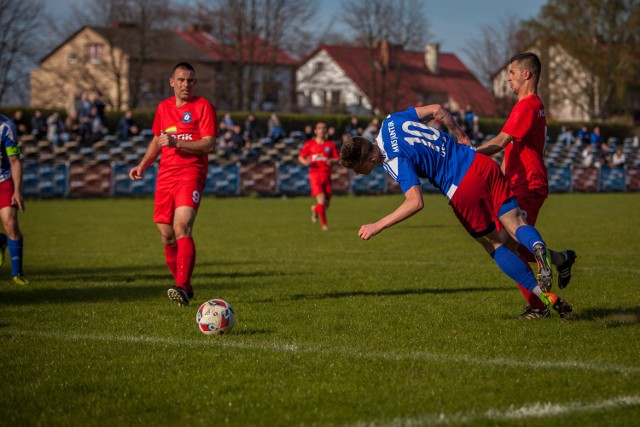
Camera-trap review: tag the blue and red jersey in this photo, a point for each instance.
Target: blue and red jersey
(414, 150)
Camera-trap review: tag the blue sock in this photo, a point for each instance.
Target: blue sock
(15, 253)
(528, 236)
(514, 267)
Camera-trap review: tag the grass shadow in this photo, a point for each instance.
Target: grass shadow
(615, 317)
(386, 292)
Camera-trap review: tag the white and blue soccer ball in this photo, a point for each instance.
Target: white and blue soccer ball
(215, 317)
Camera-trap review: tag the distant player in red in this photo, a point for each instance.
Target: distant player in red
(319, 154)
(523, 139)
(184, 131)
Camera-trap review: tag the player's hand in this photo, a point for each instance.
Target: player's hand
(17, 200)
(166, 140)
(367, 231)
(136, 173)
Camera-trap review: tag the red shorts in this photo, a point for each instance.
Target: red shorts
(6, 193)
(530, 205)
(174, 194)
(480, 196)
(320, 183)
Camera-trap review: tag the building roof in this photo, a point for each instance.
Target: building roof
(453, 78)
(192, 45)
(263, 52)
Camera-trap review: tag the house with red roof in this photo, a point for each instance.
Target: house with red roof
(129, 68)
(360, 80)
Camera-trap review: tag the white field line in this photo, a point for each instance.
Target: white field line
(534, 410)
(228, 342)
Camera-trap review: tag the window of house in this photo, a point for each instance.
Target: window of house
(72, 58)
(94, 53)
(319, 66)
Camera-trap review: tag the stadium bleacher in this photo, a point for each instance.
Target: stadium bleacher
(268, 168)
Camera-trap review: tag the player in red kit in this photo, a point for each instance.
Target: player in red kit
(523, 139)
(319, 154)
(184, 131)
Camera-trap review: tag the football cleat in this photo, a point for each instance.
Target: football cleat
(562, 307)
(531, 313)
(179, 296)
(314, 215)
(543, 258)
(19, 280)
(564, 269)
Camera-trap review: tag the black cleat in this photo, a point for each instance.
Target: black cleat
(564, 269)
(179, 296)
(531, 313)
(562, 307)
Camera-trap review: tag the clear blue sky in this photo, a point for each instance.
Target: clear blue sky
(452, 23)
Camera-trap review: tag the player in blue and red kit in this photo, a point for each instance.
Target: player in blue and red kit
(523, 139)
(11, 198)
(477, 191)
(319, 154)
(184, 133)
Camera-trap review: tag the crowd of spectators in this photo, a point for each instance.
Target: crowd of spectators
(239, 142)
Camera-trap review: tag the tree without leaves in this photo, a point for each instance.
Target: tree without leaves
(370, 26)
(21, 35)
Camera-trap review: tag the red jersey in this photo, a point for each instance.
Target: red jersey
(523, 163)
(189, 122)
(320, 155)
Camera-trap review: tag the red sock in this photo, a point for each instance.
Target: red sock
(322, 213)
(185, 262)
(532, 299)
(170, 256)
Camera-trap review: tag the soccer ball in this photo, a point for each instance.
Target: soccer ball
(215, 317)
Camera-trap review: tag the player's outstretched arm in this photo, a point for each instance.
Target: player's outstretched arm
(412, 204)
(496, 144)
(437, 112)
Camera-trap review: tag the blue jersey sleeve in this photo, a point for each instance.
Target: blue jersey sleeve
(403, 172)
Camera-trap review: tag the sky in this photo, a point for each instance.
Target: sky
(451, 23)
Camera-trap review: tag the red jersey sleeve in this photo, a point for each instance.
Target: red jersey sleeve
(208, 120)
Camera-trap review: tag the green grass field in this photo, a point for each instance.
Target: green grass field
(414, 327)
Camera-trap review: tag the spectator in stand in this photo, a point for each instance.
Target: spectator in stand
(127, 126)
(595, 137)
(582, 136)
(21, 126)
(251, 128)
(38, 125)
(371, 131)
(98, 102)
(227, 120)
(469, 114)
(605, 154)
(83, 107)
(587, 156)
(618, 159)
(276, 132)
(239, 143)
(353, 128)
(308, 132)
(566, 136)
(55, 130)
(222, 128)
(332, 135)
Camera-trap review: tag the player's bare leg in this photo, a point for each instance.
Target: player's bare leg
(321, 210)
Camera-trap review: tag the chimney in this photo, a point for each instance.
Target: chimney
(432, 57)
